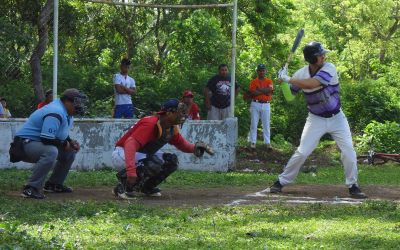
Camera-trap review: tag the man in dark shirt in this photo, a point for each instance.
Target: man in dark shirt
(218, 95)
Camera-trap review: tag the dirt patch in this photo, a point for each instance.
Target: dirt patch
(262, 160)
(170, 197)
(333, 194)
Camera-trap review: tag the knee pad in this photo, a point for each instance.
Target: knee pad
(152, 165)
(170, 161)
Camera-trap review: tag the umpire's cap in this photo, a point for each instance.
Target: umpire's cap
(78, 98)
(125, 61)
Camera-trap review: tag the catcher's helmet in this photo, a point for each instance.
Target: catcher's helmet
(312, 50)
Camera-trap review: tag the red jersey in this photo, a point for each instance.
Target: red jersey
(148, 130)
(41, 105)
(194, 112)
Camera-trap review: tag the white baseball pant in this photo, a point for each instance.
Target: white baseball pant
(118, 158)
(257, 111)
(315, 127)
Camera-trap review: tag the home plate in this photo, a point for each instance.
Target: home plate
(264, 196)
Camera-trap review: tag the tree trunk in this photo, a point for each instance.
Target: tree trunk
(40, 49)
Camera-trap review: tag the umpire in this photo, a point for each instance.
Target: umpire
(44, 140)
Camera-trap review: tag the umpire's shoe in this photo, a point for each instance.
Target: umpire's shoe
(276, 187)
(356, 192)
(32, 192)
(56, 188)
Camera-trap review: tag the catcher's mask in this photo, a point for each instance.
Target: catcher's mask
(78, 99)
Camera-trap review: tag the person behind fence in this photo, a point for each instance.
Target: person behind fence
(217, 94)
(2, 113)
(48, 99)
(192, 107)
(141, 164)
(44, 140)
(260, 91)
(7, 113)
(320, 84)
(124, 88)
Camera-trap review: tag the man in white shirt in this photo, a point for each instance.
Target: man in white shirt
(124, 87)
(320, 84)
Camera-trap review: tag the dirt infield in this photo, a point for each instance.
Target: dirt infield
(293, 194)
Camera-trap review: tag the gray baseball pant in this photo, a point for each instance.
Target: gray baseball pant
(45, 157)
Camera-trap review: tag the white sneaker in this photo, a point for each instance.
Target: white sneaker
(158, 194)
(253, 145)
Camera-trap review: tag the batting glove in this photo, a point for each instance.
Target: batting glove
(201, 147)
(283, 74)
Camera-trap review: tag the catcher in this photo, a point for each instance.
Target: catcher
(137, 157)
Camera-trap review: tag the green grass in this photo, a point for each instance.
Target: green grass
(122, 225)
(31, 224)
(389, 175)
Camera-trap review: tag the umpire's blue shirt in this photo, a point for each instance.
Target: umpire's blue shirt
(50, 122)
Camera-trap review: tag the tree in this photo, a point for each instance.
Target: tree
(37, 54)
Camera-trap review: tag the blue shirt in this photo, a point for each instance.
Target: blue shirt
(50, 122)
(1, 110)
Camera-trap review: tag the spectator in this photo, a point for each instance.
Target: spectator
(48, 99)
(193, 109)
(260, 91)
(218, 105)
(2, 115)
(124, 87)
(44, 140)
(6, 111)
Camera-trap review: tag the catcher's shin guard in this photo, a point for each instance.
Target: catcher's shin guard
(170, 165)
(122, 179)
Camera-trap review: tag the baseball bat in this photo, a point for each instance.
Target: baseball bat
(287, 93)
(296, 43)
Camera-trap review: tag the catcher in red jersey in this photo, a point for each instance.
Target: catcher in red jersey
(137, 157)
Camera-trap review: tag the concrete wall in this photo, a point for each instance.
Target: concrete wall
(98, 137)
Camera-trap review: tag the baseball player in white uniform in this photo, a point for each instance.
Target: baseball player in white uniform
(124, 87)
(319, 82)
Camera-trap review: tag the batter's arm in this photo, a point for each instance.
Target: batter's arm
(309, 83)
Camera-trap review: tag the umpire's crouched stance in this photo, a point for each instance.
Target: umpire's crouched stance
(44, 140)
(137, 156)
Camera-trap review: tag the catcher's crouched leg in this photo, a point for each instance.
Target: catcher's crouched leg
(123, 190)
(156, 171)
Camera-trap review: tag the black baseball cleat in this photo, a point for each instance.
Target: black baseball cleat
(356, 192)
(154, 192)
(276, 187)
(56, 188)
(32, 192)
(120, 192)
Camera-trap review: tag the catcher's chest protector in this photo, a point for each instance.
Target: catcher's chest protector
(164, 136)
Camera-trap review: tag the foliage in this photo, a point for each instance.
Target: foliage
(383, 137)
(174, 50)
(370, 100)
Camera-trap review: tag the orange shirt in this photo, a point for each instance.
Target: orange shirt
(256, 84)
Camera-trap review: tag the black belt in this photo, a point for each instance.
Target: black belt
(330, 114)
(260, 101)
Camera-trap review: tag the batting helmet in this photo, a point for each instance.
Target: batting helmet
(312, 50)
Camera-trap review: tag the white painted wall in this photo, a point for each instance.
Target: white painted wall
(98, 137)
